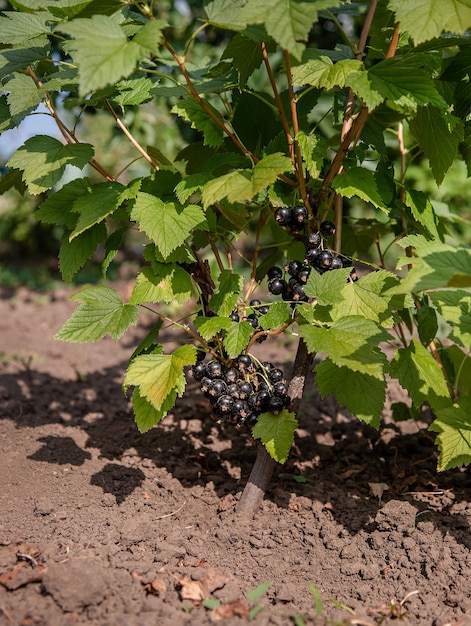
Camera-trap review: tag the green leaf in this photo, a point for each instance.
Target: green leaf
(96, 204)
(100, 65)
(112, 246)
(317, 598)
(462, 369)
(159, 375)
(258, 592)
(150, 35)
(146, 415)
(360, 182)
(230, 284)
(236, 338)
(43, 159)
(20, 27)
(287, 21)
(426, 19)
(322, 72)
(57, 208)
(439, 134)
(327, 288)
(208, 327)
(23, 96)
(101, 312)
(276, 432)
(278, 314)
(420, 375)
(191, 111)
(163, 283)
(74, 254)
(225, 13)
(245, 184)
(133, 91)
(168, 224)
(455, 308)
(423, 211)
(427, 324)
(246, 55)
(313, 151)
(453, 424)
(363, 395)
(350, 341)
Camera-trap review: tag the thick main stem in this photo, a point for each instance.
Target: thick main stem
(264, 466)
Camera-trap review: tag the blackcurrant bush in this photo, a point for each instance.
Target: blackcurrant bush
(275, 404)
(283, 216)
(214, 369)
(198, 371)
(336, 263)
(274, 272)
(327, 229)
(231, 375)
(277, 286)
(314, 240)
(299, 214)
(294, 267)
(324, 260)
(275, 375)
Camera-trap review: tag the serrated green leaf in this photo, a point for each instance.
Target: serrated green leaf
(20, 27)
(322, 72)
(225, 13)
(246, 55)
(191, 111)
(74, 254)
(288, 22)
(327, 288)
(236, 338)
(101, 312)
(420, 375)
(18, 58)
(462, 369)
(423, 211)
(453, 424)
(208, 327)
(133, 91)
(97, 203)
(363, 85)
(159, 375)
(163, 283)
(426, 19)
(245, 184)
(150, 35)
(350, 341)
(168, 224)
(363, 395)
(43, 159)
(57, 208)
(313, 151)
(230, 285)
(146, 415)
(439, 134)
(100, 65)
(360, 182)
(6, 121)
(112, 247)
(278, 314)
(455, 308)
(23, 96)
(427, 324)
(276, 432)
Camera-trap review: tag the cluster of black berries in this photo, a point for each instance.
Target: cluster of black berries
(252, 318)
(292, 218)
(241, 392)
(317, 257)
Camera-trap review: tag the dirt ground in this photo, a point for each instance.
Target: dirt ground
(102, 525)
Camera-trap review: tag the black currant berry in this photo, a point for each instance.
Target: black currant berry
(298, 292)
(287, 295)
(231, 375)
(336, 263)
(275, 375)
(234, 316)
(263, 399)
(241, 408)
(327, 229)
(299, 214)
(224, 406)
(252, 320)
(304, 275)
(245, 390)
(275, 404)
(283, 216)
(274, 272)
(263, 310)
(200, 355)
(324, 260)
(277, 286)
(312, 255)
(262, 338)
(294, 267)
(314, 240)
(214, 369)
(233, 390)
(255, 302)
(267, 366)
(198, 371)
(296, 226)
(205, 385)
(280, 389)
(243, 362)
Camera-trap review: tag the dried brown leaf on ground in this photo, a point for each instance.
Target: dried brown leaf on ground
(237, 608)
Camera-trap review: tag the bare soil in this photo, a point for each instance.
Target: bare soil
(102, 525)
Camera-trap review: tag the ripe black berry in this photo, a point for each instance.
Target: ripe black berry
(205, 385)
(283, 216)
(231, 375)
(234, 316)
(275, 375)
(274, 272)
(200, 355)
(198, 371)
(324, 260)
(214, 369)
(314, 240)
(275, 404)
(304, 275)
(263, 310)
(255, 302)
(263, 399)
(298, 292)
(245, 389)
(294, 267)
(217, 388)
(280, 389)
(276, 286)
(327, 229)
(243, 362)
(336, 263)
(241, 408)
(299, 214)
(312, 255)
(252, 320)
(233, 390)
(224, 406)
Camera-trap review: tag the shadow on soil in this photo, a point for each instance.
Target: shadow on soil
(334, 461)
